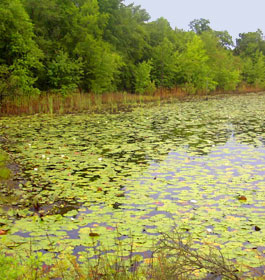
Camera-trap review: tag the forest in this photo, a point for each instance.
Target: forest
(98, 46)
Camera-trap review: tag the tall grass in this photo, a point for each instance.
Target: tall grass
(76, 102)
(173, 258)
(50, 103)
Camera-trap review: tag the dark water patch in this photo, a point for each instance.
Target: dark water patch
(23, 234)
(73, 234)
(78, 249)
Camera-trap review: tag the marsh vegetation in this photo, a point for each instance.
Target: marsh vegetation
(91, 181)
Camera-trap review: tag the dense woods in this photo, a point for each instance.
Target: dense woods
(106, 46)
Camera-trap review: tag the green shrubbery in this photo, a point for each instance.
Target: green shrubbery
(103, 46)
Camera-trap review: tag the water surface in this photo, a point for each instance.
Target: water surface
(134, 175)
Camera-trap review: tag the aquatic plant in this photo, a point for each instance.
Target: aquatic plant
(195, 165)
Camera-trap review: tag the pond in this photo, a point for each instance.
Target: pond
(95, 179)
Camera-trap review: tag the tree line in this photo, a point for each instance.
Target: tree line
(106, 46)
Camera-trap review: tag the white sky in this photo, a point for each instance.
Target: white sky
(235, 16)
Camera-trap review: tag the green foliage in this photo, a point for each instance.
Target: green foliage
(10, 269)
(224, 67)
(143, 83)
(251, 49)
(101, 65)
(254, 69)
(159, 30)
(249, 43)
(106, 71)
(194, 68)
(200, 25)
(127, 35)
(19, 54)
(64, 74)
(126, 31)
(16, 268)
(164, 62)
(4, 78)
(224, 38)
(96, 45)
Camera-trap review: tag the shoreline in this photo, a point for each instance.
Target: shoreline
(49, 103)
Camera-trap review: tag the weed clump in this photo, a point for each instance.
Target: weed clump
(175, 257)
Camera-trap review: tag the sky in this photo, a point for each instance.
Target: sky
(235, 16)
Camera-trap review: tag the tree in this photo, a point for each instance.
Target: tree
(200, 25)
(105, 45)
(19, 54)
(254, 69)
(182, 38)
(101, 64)
(223, 65)
(164, 64)
(225, 39)
(143, 83)
(65, 74)
(193, 67)
(125, 32)
(249, 43)
(71, 35)
(158, 30)
(125, 28)
(106, 71)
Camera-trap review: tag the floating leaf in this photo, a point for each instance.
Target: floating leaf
(93, 234)
(3, 232)
(242, 198)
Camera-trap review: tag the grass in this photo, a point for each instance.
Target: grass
(77, 102)
(173, 258)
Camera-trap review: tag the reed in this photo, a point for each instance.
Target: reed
(51, 103)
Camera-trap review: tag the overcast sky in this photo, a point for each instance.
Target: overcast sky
(235, 16)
